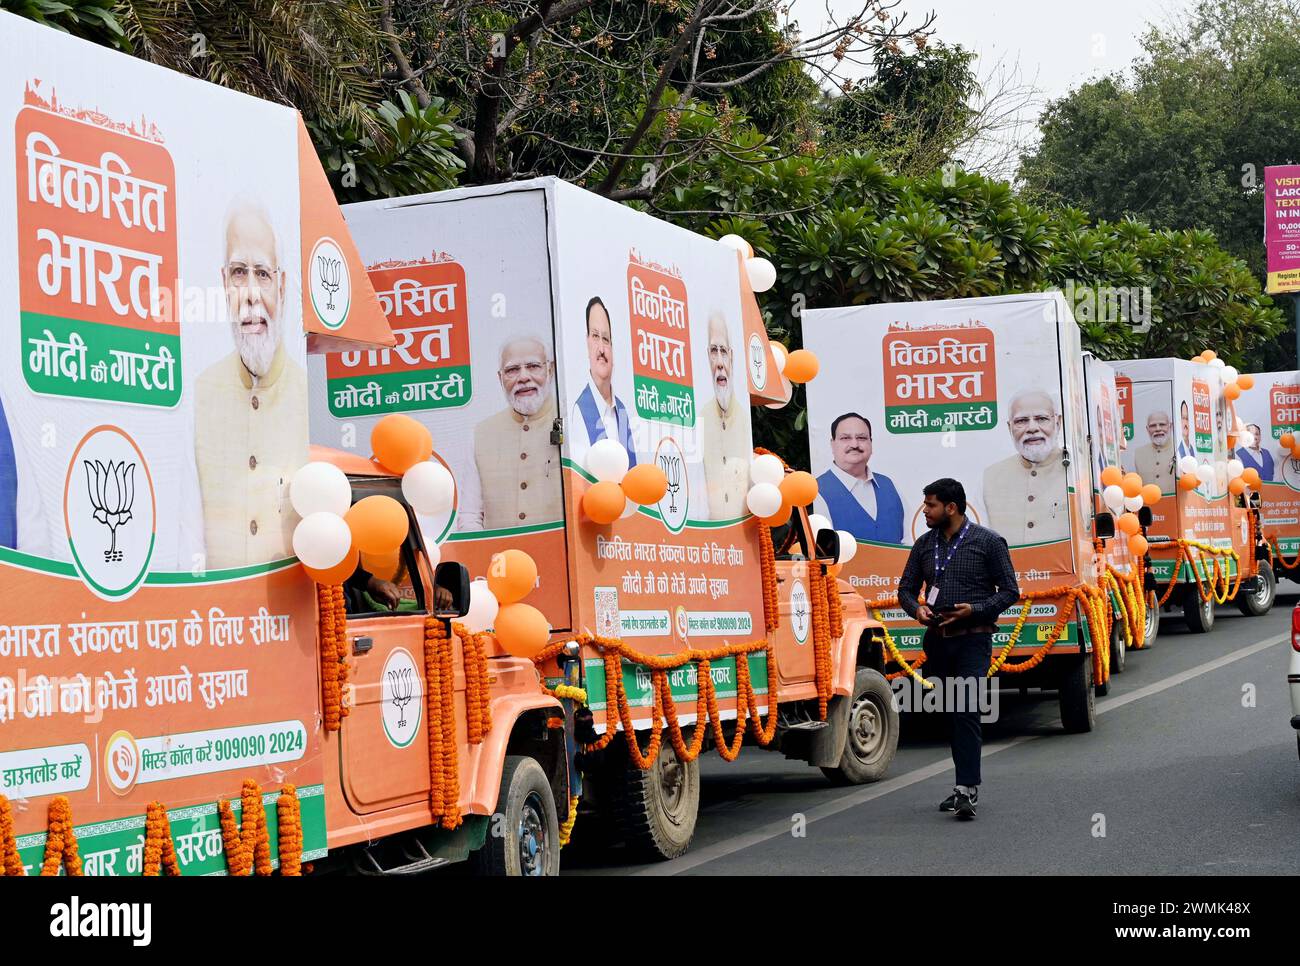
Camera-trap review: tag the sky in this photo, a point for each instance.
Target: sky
(1055, 45)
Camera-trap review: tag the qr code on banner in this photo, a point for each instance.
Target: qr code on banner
(607, 623)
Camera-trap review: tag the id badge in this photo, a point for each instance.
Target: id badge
(933, 596)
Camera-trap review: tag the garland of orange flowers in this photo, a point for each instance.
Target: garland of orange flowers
(288, 816)
(331, 687)
(1217, 578)
(663, 710)
(159, 851)
(834, 607)
(11, 864)
(341, 649)
(444, 776)
(1271, 541)
(478, 707)
(61, 840)
(821, 628)
(248, 845)
(771, 600)
(566, 830)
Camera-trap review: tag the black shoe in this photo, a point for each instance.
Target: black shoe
(966, 806)
(949, 804)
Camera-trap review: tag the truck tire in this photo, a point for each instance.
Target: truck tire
(526, 815)
(872, 738)
(1118, 648)
(1152, 628)
(1078, 705)
(654, 811)
(1260, 601)
(1199, 614)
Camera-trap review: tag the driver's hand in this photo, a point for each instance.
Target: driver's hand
(442, 598)
(384, 591)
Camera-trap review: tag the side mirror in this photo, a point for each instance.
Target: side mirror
(452, 578)
(1104, 524)
(1145, 516)
(828, 545)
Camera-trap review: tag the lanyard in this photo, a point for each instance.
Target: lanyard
(939, 571)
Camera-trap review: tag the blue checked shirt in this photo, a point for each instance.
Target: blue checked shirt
(979, 574)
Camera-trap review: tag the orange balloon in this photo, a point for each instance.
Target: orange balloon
(511, 575)
(1295, 451)
(335, 575)
(798, 488)
(1151, 494)
(399, 442)
(780, 518)
(1111, 476)
(1236, 486)
(801, 366)
(384, 566)
(1232, 390)
(1137, 545)
(378, 524)
(1286, 440)
(1246, 381)
(521, 629)
(1188, 481)
(604, 502)
(1209, 355)
(1250, 476)
(645, 484)
(1131, 485)
(1128, 522)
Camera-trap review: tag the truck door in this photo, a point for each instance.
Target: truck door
(793, 641)
(384, 748)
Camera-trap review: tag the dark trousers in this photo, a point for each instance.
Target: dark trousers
(957, 666)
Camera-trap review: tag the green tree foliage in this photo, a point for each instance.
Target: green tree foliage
(1181, 141)
(846, 231)
(88, 19)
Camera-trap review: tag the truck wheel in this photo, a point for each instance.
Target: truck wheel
(1260, 601)
(525, 814)
(1118, 648)
(655, 810)
(1198, 613)
(1078, 705)
(872, 737)
(1152, 627)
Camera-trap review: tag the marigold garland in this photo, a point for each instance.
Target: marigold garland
(821, 628)
(663, 711)
(444, 776)
(248, 846)
(1206, 583)
(288, 816)
(566, 829)
(61, 840)
(771, 599)
(834, 607)
(331, 687)
(478, 706)
(11, 864)
(1272, 542)
(159, 850)
(341, 649)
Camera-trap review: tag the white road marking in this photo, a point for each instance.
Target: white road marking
(869, 793)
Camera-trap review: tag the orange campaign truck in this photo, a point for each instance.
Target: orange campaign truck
(174, 687)
(1270, 413)
(563, 350)
(1206, 539)
(991, 392)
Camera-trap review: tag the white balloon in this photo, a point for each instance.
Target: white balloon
(767, 469)
(1113, 496)
(320, 488)
(738, 243)
(787, 388)
(762, 274)
(483, 607)
(433, 552)
(1133, 503)
(817, 523)
(1187, 464)
(607, 461)
(1218, 363)
(848, 546)
(628, 510)
(1228, 374)
(763, 499)
(1205, 472)
(1246, 440)
(779, 355)
(429, 488)
(321, 540)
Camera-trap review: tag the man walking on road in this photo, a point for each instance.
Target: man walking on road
(968, 578)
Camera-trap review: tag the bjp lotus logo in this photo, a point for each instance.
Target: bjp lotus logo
(112, 492)
(109, 511)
